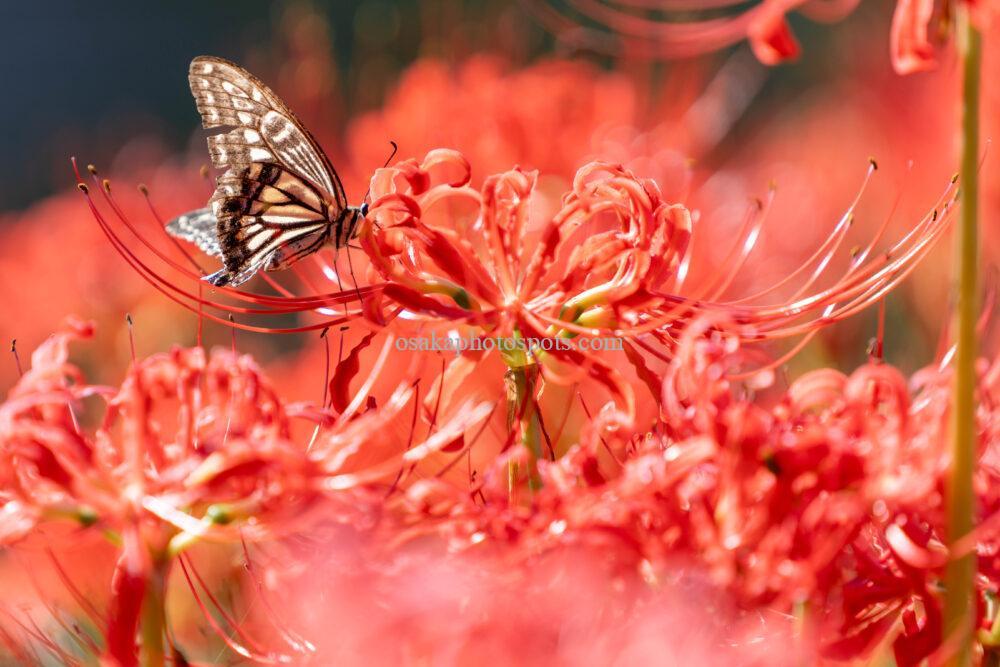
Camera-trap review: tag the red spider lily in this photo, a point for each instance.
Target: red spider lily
(612, 262)
(682, 28)
(892, 578)
(192, 449)
(829, 499)
(918, 24)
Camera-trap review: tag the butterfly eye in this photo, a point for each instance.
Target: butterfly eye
(364, 210)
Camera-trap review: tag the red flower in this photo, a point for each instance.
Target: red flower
(612, 261)
(829, 496)
(911, 49)
(192, 449)
(681, 30)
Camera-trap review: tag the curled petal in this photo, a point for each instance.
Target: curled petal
(911, 49)
(770, 37)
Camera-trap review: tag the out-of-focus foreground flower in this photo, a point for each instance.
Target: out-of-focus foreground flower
(827, 502)
(192, 449)
(822, 502)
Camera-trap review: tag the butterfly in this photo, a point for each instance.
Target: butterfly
(279, 198)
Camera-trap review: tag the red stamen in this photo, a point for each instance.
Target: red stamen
(277, 305)
(409, 439)
(294, 640)
(880, 337)
(239, 649)
(85, 604)
(17, 358)
(541, 424)
(131, 336)
(467, 450)
(604, 442)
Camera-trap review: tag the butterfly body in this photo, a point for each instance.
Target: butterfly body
(279, 198)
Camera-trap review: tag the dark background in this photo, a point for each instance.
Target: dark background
(82, 78)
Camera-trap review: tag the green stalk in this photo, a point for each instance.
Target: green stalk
(152, 623)
(520, 380)
(959, 603)
(521, 410)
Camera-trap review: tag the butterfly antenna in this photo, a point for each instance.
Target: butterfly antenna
(326, 374)
(395, 148)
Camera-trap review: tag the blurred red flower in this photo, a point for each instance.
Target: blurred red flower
(681, 29)
(826, 498)
(192, 449)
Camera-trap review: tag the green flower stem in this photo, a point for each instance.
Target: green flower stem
(153, 622)
(959, 604)
(521, 409)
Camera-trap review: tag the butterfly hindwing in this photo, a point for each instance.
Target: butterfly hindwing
(263, 210)
(199, 227)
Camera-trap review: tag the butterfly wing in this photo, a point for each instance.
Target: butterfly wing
(264, 209)
(279, 188)
(198, 227)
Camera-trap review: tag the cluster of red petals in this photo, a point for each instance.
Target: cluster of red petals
(191, 448)
(611, 261)
(828, 497)
(586, 270)
(138, 462)
(910, 45)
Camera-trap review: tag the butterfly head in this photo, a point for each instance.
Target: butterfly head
(363, 213)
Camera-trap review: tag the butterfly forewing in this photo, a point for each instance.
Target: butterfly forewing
(278, 198)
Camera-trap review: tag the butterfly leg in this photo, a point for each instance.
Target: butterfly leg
(220, 278)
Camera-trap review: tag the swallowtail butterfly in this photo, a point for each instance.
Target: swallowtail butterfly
(279, 198)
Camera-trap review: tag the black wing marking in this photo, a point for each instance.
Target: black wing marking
(267, 220)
